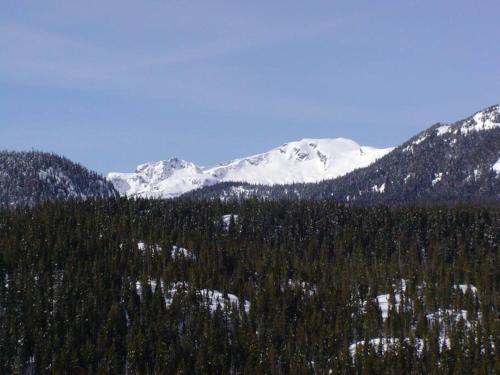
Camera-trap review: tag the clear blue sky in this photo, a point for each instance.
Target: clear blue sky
(112, 84)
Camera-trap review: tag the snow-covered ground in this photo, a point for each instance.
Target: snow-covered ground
(437, 178)
(442, 130)
(175, 252)
(307, 160)
(464, 288)
(443, 318)
(385, 344)
(483, 120)
(226, 220)
(496, 167)
(385, 303)
(306, 287)
(378, 189)
(212, 299)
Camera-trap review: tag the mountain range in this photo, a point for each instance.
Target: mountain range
(304, 161)
(446, 163)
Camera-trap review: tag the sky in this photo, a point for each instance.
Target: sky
(115, 83)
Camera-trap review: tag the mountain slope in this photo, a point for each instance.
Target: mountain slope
(308, 160)
(446, 163)
(28, 178)
(161, 179)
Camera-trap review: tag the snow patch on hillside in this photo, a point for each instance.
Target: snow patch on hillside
(385, 344)
(379, 189)
(182, 252)
(437, 177)
(420, 139)
(464, 288)
(385, 303)
(175, 252)
(306, 287)
(496, 167)
(442, 130)
(444, 319)
(141, 246)
(213, 299)
(481, 121)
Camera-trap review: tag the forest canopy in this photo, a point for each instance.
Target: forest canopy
(194, 287)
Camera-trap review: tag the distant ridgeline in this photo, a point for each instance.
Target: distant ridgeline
(28, 178)
(447, 163)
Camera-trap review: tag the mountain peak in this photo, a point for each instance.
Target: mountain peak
(306, 160)
(165, 166)
(485, 119)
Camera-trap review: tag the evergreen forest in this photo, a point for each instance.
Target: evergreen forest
(122, 286)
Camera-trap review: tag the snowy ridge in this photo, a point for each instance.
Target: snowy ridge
(161, 179)
(486, 119)
(483, 120)
(307, 160)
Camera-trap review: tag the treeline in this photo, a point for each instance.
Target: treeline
(94, 288)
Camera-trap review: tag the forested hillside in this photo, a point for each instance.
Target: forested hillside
(28, 178)
(183, 287)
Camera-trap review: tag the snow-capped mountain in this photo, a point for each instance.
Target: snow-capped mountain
(161, 179)
(446, 163)
(307, 160)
